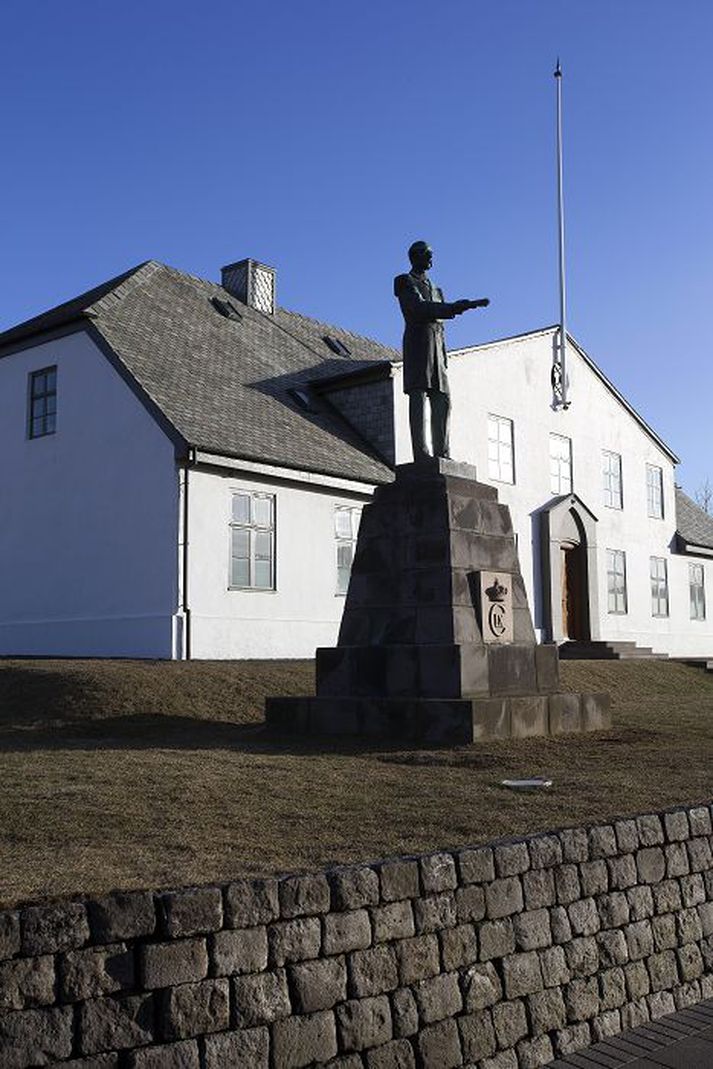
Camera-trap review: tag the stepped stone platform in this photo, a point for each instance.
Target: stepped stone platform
(574, 650)
(436, 642)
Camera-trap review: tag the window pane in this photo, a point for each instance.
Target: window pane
(343, 523)
(263, 545)
(50, 424)
(241, 543)
(262, 511)
(345, 555)
(240, 572)
(263, 574)
(241, 508)
(51, 380)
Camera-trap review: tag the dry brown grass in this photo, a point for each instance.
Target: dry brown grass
(135, 774)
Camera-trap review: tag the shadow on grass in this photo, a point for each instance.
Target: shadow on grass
(172, 732)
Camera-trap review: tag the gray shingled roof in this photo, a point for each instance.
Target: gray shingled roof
(224, 385)
(694, 526)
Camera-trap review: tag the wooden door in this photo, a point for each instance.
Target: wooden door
(573, 593)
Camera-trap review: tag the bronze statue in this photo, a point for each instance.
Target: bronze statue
(424, 350)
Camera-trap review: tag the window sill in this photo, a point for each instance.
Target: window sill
(251, 590)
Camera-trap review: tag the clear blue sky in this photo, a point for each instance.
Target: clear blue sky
(322, 137)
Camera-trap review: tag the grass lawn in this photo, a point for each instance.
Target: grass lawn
(135, 774)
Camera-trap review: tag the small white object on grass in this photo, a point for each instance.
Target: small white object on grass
(535, 783)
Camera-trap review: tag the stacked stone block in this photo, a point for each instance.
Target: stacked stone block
(495, 957)
(416, 659)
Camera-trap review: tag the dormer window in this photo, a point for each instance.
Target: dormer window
(226, 308)
(336, 345)
(42, 409)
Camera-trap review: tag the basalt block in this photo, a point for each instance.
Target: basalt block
(436, 642)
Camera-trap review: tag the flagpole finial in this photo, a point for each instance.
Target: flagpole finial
(558, 69)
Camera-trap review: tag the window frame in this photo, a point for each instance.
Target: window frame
(614, 554)
(340, 541)
(559, 492)
(656, 598)
(612, 480)
(499, 422)
(32, 399)
(692, 567)
(254, 528)
(650, 468)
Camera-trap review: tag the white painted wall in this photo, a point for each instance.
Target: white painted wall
(88, 539)
(512, 379)
(304, 610)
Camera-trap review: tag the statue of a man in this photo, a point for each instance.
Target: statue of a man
(424, 350)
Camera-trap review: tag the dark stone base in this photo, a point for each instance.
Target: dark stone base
(415, 662)
(433, 720)
(465, 670)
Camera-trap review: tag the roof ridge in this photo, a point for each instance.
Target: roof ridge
(69, 310)
(138, 277)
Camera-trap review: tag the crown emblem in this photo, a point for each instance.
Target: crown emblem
(497, 591)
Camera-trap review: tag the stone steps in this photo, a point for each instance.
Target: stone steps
(607, 651)
(697, 662)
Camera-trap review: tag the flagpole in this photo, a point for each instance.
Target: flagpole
(560, 379)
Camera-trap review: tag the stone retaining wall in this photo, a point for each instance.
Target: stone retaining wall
(499, 957)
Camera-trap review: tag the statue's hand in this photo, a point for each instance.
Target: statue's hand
(461, 306)
(482, 302)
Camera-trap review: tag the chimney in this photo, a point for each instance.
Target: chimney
(252, 283)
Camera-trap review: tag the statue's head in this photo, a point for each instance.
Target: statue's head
(421, 255)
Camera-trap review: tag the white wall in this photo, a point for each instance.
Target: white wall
(512, 379)
(304, 611)
(88, 557)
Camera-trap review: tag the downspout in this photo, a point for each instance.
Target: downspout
(190, 462)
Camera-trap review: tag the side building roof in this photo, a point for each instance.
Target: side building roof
(694, 527)
(225, 384)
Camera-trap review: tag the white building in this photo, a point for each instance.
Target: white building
(184, 465)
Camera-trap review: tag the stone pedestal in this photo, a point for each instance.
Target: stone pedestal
(436, 642)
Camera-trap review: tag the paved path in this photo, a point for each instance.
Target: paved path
(682, 1040)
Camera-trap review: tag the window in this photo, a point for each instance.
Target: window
(346, 528)
(611, 471)
(500, 449)
(560, 464)
(616, 581)
(336, 345)
(252, 541)
(697, 591)
(42, 415)
(654, 491)
(659, 587)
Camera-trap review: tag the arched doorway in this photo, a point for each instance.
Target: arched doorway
(569, 570)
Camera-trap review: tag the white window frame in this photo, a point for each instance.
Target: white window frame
(257, 530)
(561, 480)
(617, 596)
(654, 492)
(611, 474)
(501, 449)
(658, 577)
(697, 591)
(345, 544)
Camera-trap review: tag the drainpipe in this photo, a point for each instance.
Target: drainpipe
(188, 464)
